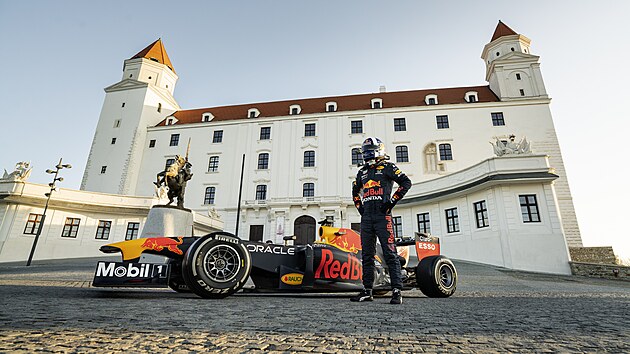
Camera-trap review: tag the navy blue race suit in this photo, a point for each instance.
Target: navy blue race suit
(372, 196)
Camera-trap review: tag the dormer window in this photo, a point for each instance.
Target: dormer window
(471, 96)
(207, 117)
(170, 120)
(159, 108)
(331, 106)
(295, 109)
(431, 99)
(253, 113)
(377, 103)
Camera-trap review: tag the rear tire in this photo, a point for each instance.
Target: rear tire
(216, 266)
(436, 276)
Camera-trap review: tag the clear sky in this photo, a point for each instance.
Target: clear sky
(57, 56)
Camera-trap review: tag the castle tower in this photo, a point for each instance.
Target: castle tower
(512, 71)
(143, 98)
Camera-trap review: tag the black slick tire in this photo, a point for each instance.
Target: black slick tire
(436, 276)
(216, 266)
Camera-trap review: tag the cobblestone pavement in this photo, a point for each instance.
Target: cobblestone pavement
(51, 308)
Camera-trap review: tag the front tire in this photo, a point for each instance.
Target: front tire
(216, 265)
(436, 276)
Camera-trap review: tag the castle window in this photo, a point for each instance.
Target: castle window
(159, 107)
(261, 192)
(309, 129)
(356, 127)
(152, 143)
(174, 140)
(331, 106)
(497, 119)
(32, 224)
(400, 125)
(208, 198)
(117, 123)
(471, 96)
(452, 220)
(206, 117)
(481, 214)
(402, 154)
(308, 190)
(132, 231)
(397, 223)
(377, 103)
(309, 158)
(217, 136)
(498, 53)
(445, 152)
(295, 109)
(169, 162)
(265, 133)
(103, 169)
(529, 208)
(102, 231)
(431, 99)
(123, 104)
(113, 141)
(71, 227)
(522, 92)
(253, 113)
(512, 48)
(424, 223)
(263, 161)
(169, 121)
(213, 164)
(518, 76)
(357, 157)
(442, 122)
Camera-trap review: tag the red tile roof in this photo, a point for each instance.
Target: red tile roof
(350, 103)
(155, 51)
(502, 30)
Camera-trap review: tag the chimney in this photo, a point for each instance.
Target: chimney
(382, 89)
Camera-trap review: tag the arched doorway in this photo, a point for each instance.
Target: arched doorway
(304, 230)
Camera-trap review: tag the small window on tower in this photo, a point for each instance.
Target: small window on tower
(103, 169)
(113, 141)
(159, 107)
(117, 123)
(518, 76)
(512, 48)
(497, 55)
(123, 104)
(522, 92)
(152, 143)
(149, 77)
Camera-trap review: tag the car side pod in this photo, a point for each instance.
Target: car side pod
(216, 265)
(436, 276)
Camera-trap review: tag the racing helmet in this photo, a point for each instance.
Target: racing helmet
(373, 149)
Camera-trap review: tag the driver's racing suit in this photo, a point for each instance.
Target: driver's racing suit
(372, 195)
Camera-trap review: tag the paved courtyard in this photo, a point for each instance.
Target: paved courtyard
(51, 307)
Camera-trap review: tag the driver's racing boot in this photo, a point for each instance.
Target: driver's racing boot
(364, 295)
(396, 297)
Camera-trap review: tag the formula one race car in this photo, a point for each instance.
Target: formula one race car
(219, 264)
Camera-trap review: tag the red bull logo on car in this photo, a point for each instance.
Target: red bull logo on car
(331, 268)
(344, 239)
(159, 243)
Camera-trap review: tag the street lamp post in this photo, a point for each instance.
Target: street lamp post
(52, 188)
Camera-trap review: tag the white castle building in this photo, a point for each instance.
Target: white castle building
(301, 156)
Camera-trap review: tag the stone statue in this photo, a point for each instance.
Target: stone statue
(502, 148)
(21, 173)
(175, 182)
(174, 179)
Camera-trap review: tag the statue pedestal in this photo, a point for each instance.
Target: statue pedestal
(166, 221)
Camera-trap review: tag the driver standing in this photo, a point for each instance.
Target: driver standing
(372, 195)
